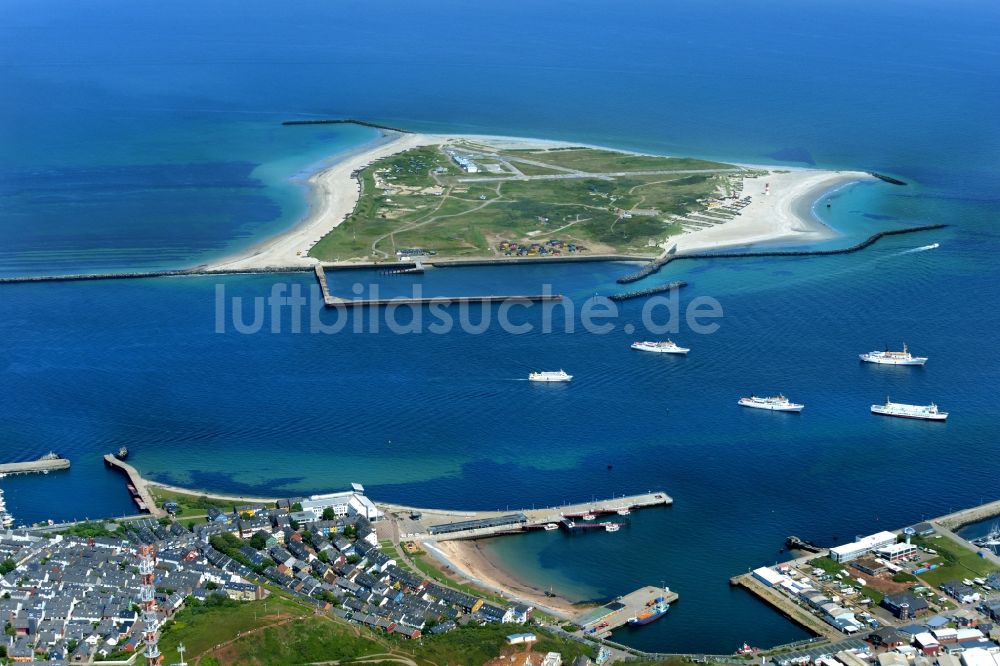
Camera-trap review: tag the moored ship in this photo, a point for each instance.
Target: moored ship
(559, 376)
(924, 412)
(663, 347)
(778, 403)
(651, 614)
(893, 357)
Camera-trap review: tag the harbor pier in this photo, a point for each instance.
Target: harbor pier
(136, 486)
(421, 524)
(50, 462)
(331, 301)
(601, 621)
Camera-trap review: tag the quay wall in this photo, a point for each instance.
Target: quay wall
(959, 519)
(138, 275)
(656, 265)
(141, 488)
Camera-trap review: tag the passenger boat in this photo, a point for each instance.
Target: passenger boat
(924, 412)
(551, 526)
(664, 347)
(624, 512)
(655, 612)
(893, 357)
(560, 376)
(612, 527)
(588, 516)
(778, 403)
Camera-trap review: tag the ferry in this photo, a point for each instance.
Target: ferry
(778, 403)
(893, 357)
(664, 347)
(925, 412)
(560, 376)
(655, 612)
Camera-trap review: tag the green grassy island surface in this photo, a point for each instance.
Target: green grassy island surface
(465, 199)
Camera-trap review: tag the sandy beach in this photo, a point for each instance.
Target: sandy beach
(334, 195)
(468, 559)
(781, 215)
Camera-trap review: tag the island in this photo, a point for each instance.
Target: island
(413, 196)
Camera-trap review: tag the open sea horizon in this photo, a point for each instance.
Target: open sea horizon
(163, 147)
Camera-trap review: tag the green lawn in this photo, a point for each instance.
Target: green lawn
(956, 562)
(200, 627)
(189, 506)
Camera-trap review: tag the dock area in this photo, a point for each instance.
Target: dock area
(136, 485)
(601, 621)
(959, 519)
(50, 462)
(415, 523)
(787, 607)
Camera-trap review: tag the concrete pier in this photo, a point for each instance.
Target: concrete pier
(601, 621)
(415, 523)
(331, 301)
(47, 463)
(137, 482)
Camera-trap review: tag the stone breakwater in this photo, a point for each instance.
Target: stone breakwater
(655, 266)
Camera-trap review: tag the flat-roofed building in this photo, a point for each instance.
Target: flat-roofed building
(862, 546)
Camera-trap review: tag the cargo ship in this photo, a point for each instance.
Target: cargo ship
(559, 376)
(924, 412)
(778, 403)
(664, 347)
(651, 614)
(893, 357)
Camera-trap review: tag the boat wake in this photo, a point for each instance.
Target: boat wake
(922, 248)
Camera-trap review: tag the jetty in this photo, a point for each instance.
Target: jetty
(50, 462)
(670, 286)
(137, 486)
(443, 525)
(331, 301)
(655, 265)
(346, 121)
(887, 179)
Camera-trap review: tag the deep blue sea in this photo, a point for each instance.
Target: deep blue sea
(142, 135)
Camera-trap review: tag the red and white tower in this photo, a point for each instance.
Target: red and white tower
(147, 599)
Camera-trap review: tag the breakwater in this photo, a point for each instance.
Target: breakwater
(138, 275)
(648, 292)
(656, 265)
(137, 486)
(887, 179)
(50, 462)
(346, 121)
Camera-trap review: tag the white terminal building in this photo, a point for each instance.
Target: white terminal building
(347, 503)
(863, 546)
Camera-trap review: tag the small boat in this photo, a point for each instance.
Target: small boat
(664, 347)
(612, 527)
(551, 526)
(923, 412)
(623, 512)
(549, 376)
(893, 357)
(588, 516)
(778, 403)
(746, 649)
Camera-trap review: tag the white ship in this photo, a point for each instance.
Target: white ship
(893, 357)
(611, 527)
(560, 376)
(778, 403)
(6, 520)
(664, 347)
(926, 412)
(551, 526)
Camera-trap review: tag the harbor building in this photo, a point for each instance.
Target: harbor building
(351, 502)
(862, 546)
(896, 551)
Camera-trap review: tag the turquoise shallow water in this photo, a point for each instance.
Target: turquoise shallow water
(162, 147)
